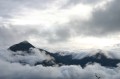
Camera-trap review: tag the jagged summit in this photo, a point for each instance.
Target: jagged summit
(22, 46)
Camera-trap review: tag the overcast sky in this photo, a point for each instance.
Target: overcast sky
(60, 24)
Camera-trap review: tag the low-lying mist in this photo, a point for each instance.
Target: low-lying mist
(10, 68)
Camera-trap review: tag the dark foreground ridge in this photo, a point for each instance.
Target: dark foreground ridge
(60, 60)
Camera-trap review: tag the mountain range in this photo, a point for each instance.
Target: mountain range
(58, 59)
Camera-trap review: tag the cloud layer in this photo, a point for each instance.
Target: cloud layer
(16, 70)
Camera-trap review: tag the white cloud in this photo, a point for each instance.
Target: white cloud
(64, 24)
(50, 16)
(30, 58)
(16, 70)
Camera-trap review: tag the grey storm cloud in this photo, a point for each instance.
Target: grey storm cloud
(9, 7)
(6, 34)
(71, 3)
(9, 35)
(74, 2)
(60, 35)
(107, 20)
(103, 21)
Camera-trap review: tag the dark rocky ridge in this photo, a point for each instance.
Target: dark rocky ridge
(99, 57)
